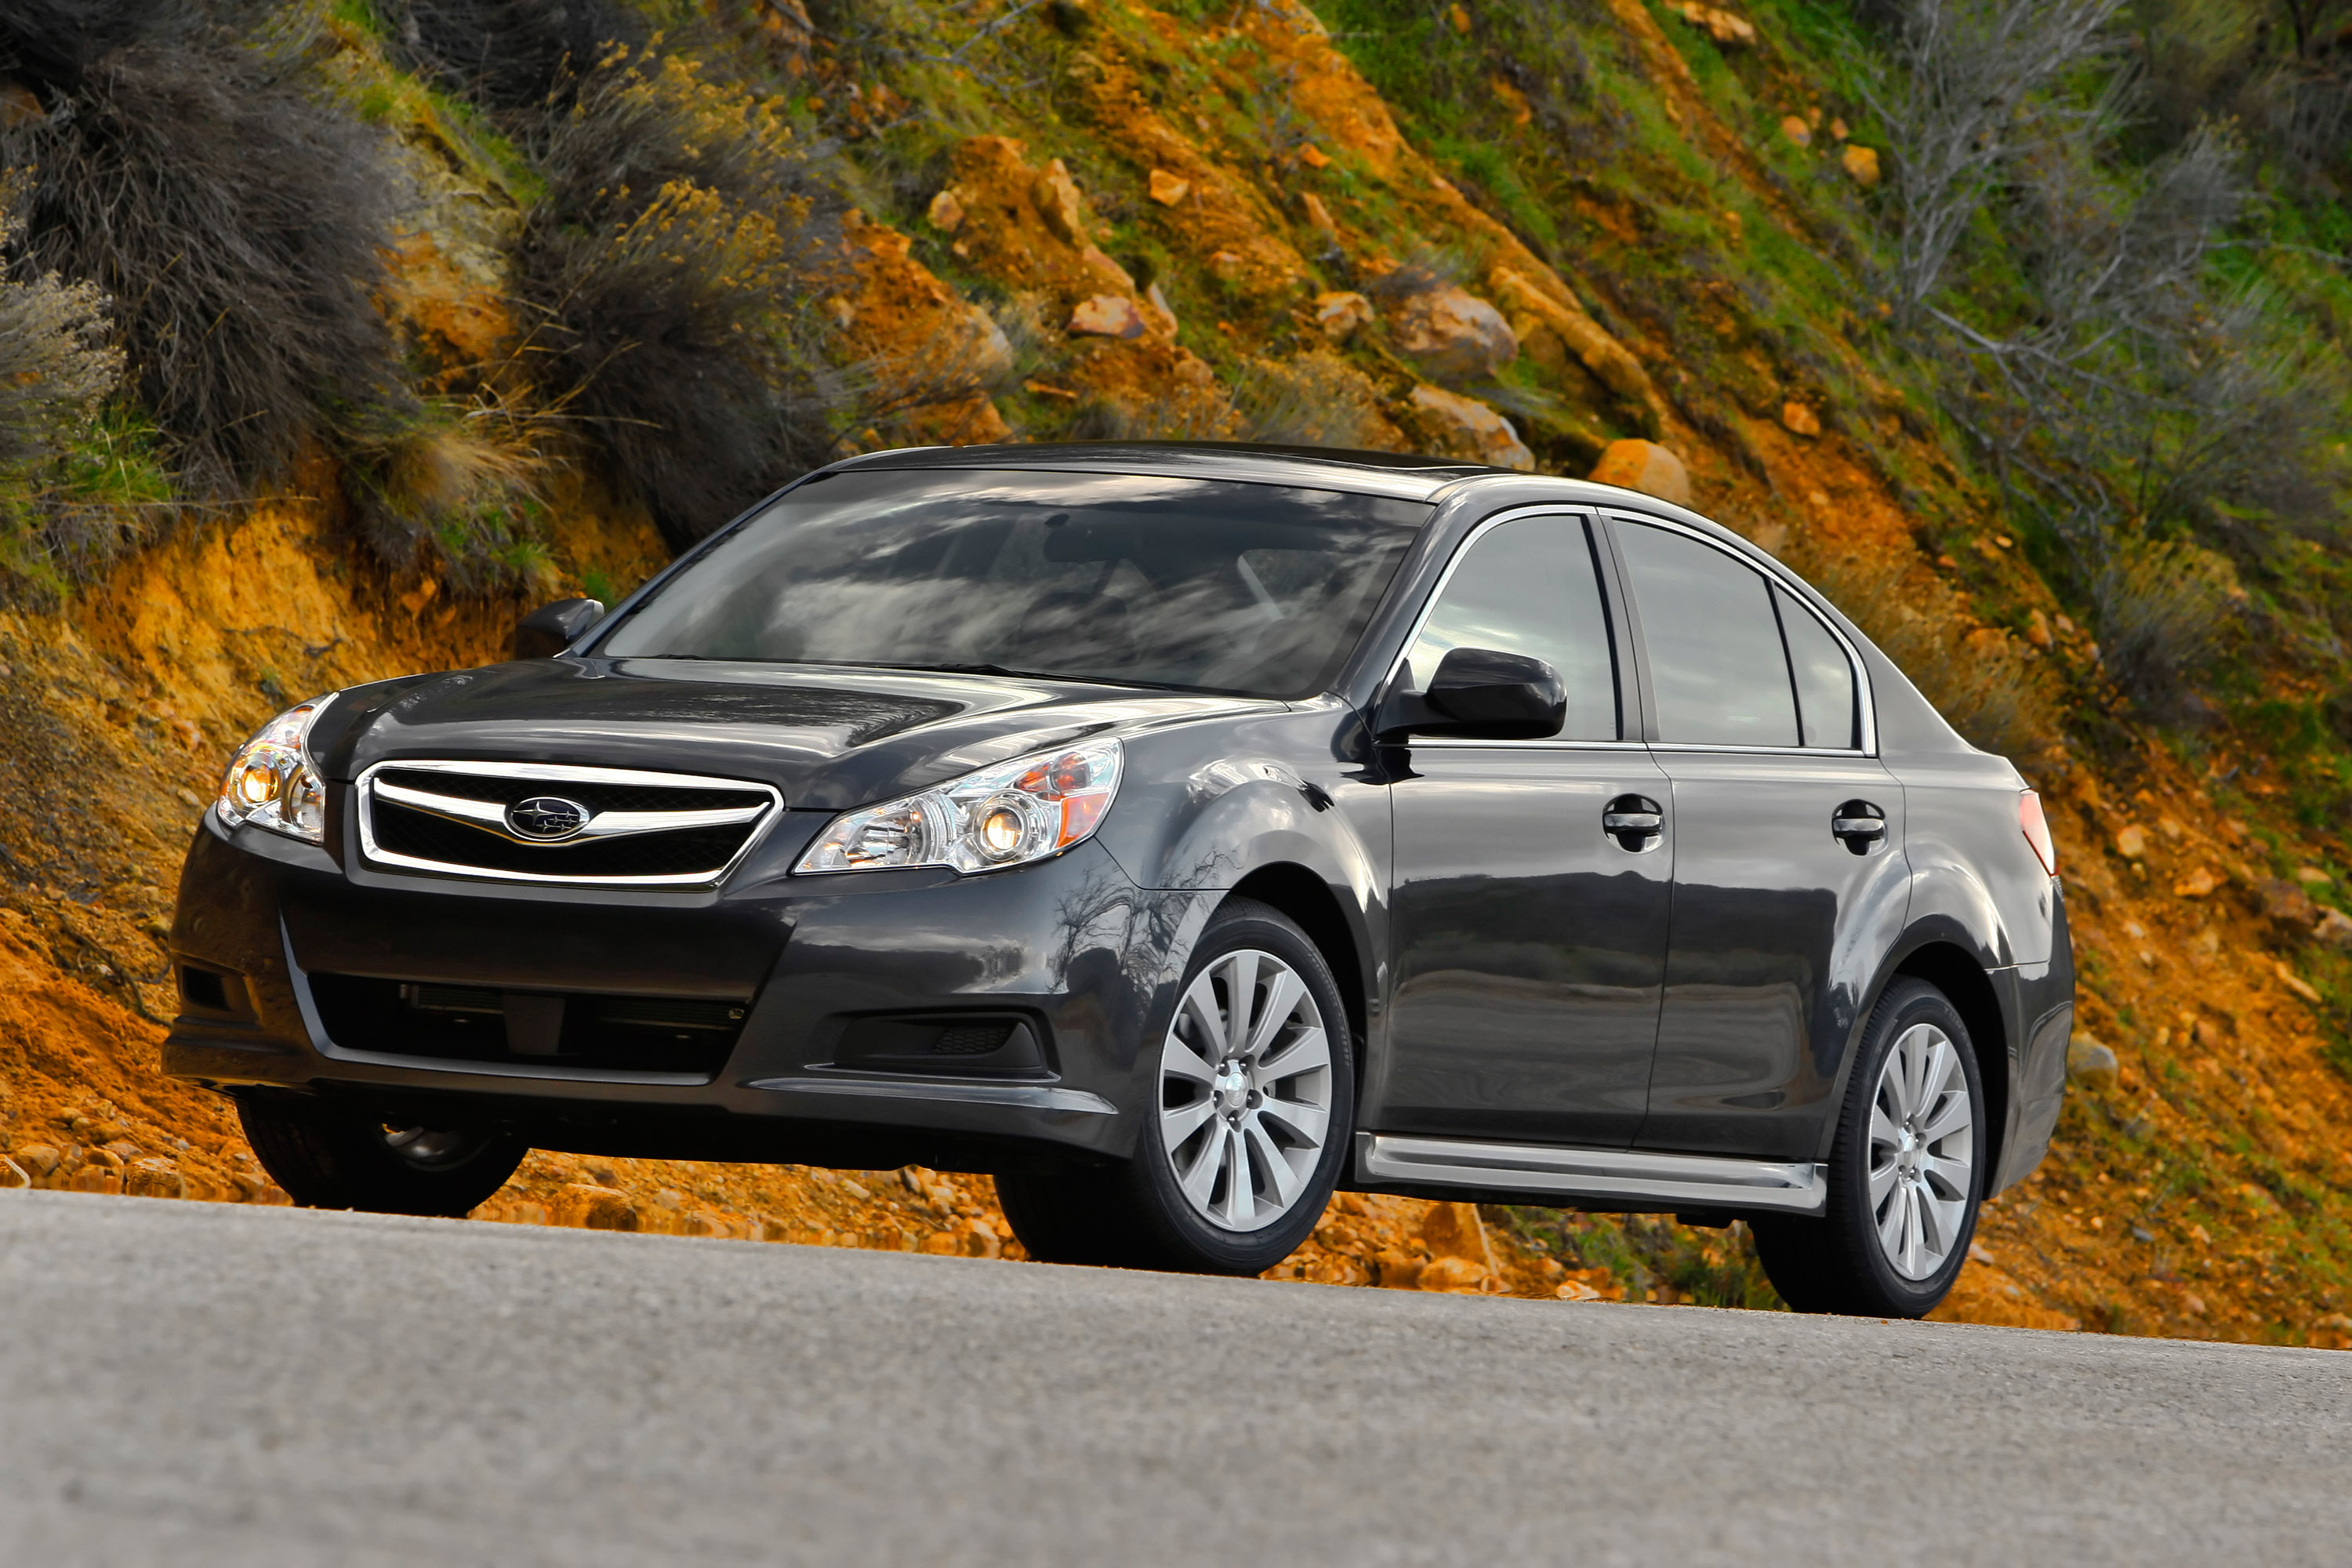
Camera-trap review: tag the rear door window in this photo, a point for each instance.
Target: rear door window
(1717, 666)
(1826, 710)
(1529, 586)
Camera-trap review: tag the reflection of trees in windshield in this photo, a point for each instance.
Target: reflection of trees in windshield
(1231, 587)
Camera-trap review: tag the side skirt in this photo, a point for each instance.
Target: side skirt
(1602, 1180)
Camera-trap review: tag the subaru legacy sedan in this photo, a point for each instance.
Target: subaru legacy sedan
(1177, 833)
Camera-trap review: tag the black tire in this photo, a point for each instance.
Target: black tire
(1133, 1213)
(1838, 1263)
(331, 1157)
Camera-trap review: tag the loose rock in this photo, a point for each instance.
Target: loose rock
(1861, 164)
(1799, 419)
(1106, 316)
(1169, 189)
(1453, 334)
(1465, 428)
(1794, 128)
(2092, 1064)
(1339, 314)
(1646, 466)
(946, 211)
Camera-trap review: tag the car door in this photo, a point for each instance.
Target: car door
(1528, 941)
(1788, 867)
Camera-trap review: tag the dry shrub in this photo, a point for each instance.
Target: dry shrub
(510, 54)
(1978, 678)
(57, 365)
(2164, 608)
(1316, 400)
(56, 360)
(673, 265)
(458, 486)
(236, 219)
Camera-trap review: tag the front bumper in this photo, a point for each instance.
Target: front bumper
(280, 938)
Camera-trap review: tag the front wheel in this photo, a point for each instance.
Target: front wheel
(1906, 1174)
(329, 1157)
(1244, 1139)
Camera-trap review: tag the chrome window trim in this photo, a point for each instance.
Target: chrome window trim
(1798, 588)
(363, 803)
(1582, 514)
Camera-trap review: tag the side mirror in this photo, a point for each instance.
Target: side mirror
(551, 628)
(1479, 694)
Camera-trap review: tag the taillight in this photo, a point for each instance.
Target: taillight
(2037, 830)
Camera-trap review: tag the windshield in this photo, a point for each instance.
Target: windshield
(1257, 589)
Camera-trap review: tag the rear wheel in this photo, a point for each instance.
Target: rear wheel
(329, 1157)
(1905, 1175)
(1244, 1140)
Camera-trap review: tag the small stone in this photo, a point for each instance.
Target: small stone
(39, 1159)
(1318, 215)
(1455, 1276)
(2298, 984)
(1644, 466)
(2311, 877)
(2141, 1233)
(1454, 1230)
(2192, 1305)
(1055, 197)
(1577, 1291)
(1467, 428)
(2131, 841)
(1978, 1253)
(1453, 335)
(2334, 928)
(2037, 630)
(946, 211)
(2197, 884)
(1799, 419)
(188, 797)
(1861, 164)
(14, 1176)
(1105, 316)
(1341, 313)
(1169, 189)
(1794, 128)
(1838, 130)
(2092, 1064)
(943, 1244)
(1314, 157)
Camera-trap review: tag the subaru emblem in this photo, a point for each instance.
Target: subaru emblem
(545, 818)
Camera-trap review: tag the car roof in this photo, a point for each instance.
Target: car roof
(1400, 477)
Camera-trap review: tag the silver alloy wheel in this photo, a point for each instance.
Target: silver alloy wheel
(1245, 1090)
(425, 1146)
(1922, 1152)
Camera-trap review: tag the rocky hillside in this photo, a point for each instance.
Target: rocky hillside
(607, 273)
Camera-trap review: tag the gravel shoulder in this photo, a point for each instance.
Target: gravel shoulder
(200, 1383)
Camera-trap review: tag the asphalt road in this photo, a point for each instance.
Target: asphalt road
(190, 1383)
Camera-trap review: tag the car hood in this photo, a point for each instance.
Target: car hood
(828, 737)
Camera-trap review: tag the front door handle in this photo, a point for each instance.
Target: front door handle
(1635, 821)
(1859, 825)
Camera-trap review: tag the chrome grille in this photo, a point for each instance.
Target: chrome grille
(532, 822)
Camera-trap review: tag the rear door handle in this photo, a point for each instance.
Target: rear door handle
(1636, 821)
(1859, 825)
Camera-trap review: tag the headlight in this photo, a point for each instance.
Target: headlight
(270, 782)
(1005, 816)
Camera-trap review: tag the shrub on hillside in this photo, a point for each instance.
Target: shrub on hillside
(673, 266)
(56, 365)
(509, 55)
(235, 217)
